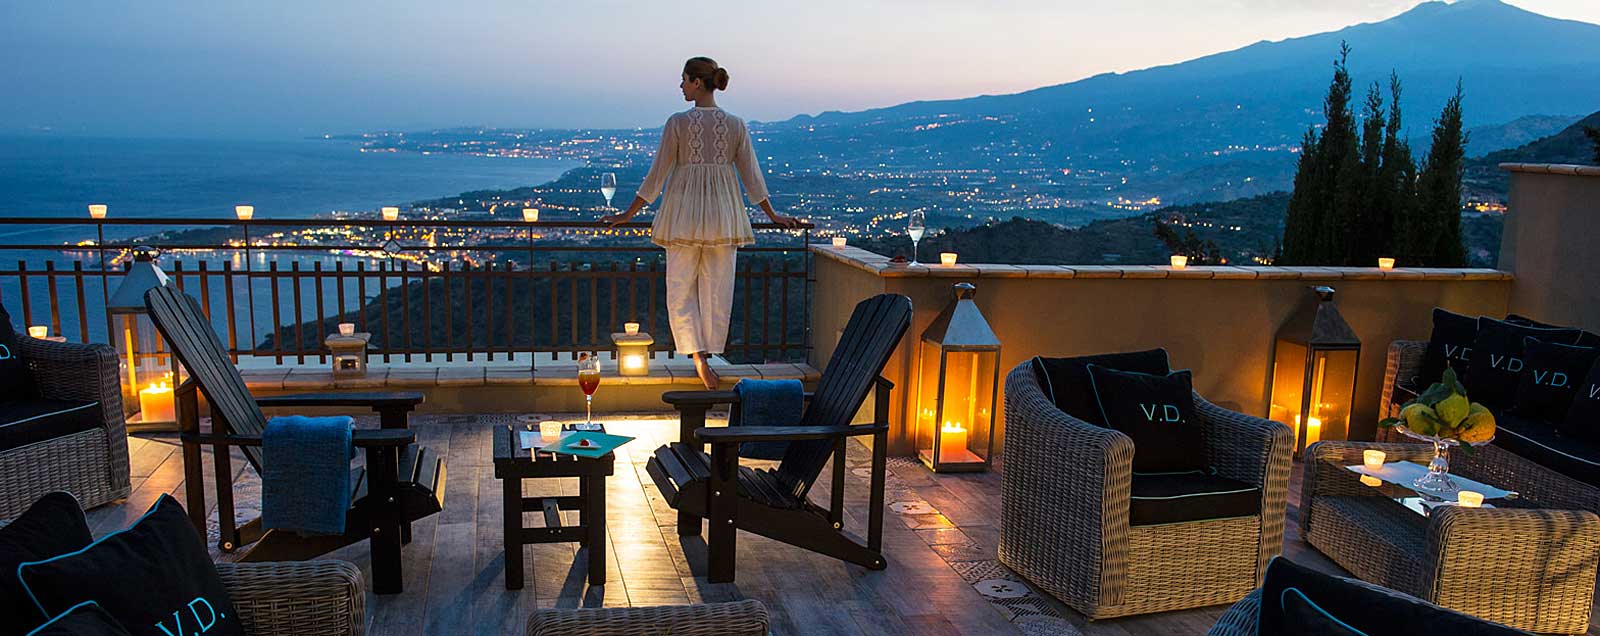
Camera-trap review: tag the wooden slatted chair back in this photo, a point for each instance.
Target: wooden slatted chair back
(183, 325)
(874, 330)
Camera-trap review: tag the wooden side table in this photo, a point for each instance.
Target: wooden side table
(512, 464)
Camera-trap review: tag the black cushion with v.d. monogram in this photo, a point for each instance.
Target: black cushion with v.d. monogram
(1550, 376)
(16, 381)
(1497, 363)
(1157, 413)
(1583, 415)
(1450, 345)
(1066, 380)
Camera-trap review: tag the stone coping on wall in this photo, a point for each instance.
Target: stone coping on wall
(879, 264)
(677, 373)
(1552, 168)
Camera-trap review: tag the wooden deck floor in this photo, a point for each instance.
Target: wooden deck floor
(940, 540)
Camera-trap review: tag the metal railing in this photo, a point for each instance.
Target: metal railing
(423, 288)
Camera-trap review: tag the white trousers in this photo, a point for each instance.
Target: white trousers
(700, 296)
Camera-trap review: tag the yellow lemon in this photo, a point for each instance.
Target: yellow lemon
(1421, 419)
(1453, 409)
(1479, 425)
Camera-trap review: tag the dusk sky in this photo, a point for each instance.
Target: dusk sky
(303, 67)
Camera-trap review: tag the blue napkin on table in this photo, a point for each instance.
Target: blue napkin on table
(768, 403)
(305, 480)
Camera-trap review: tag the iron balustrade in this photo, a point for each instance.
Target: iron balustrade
(274, 293)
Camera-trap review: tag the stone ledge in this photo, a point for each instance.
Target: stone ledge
(1552, 168)
(879, 265)
(677, 373)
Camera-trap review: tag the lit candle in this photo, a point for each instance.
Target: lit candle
(630, 328)
(1313, 430)
(1179, 261)
(347, 328)
(1372, 459)
(391, 214)
(1385, 263)
(155, 403)
(838, 241)
(952, 442)
(633, 361)
(549, 431)
(245, 212)
(530, 215)
(1469, 499)
(1369, 480)
(97, 211)
(38, 331)
(948, 259)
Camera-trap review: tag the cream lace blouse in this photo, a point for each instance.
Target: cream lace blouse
(700, 150)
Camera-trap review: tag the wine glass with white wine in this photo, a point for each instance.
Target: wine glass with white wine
(608, 186)
(915, 228)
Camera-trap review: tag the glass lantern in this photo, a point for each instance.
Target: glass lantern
(1314, 372)
(146, 374)
(958, 378)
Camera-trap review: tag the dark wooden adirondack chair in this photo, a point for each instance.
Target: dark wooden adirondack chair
(772, 503)
(400, 483)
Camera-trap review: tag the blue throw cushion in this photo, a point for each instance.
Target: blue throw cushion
(52, 526)
(1157, 413)
(155, 578)
(84, 619)
(1362, 606)
(1303, 616)
(768, 403)
(1066, 380)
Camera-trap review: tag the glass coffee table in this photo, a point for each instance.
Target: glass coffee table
(1395, 481)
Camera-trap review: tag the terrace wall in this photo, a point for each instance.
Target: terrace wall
(1218, 321)
(1550, 240)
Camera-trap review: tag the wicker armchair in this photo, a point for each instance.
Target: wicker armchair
(299, 598)
(91, 464)
(1065, 511)
(741, 618)
(1532, 568)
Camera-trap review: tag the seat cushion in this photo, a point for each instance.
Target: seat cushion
(1497, 362)
(1538, 441)
(52, 526)
(1362, 606)
(1066, 380)
(32, 421)
(16, 381)
(1195, 496)
(1157, 413)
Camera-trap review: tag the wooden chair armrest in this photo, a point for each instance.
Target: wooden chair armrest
(707, 399)
(374, 400)
(363, 438)
(737, 434)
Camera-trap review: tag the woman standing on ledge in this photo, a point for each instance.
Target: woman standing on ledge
(702, 222)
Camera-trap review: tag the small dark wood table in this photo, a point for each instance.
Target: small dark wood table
(512, 464)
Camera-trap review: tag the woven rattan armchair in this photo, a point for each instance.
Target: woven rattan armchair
(1064, 521)
(299, 598)
(1527, 566)
(740, 618)
(91, 464)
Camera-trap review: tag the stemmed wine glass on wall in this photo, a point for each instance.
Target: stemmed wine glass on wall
(915, 228)
(608, 186)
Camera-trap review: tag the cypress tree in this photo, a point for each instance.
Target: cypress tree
(1439, 190)
(1397, 180)
(1594, 136)
(1304, 206)
(1314, 229)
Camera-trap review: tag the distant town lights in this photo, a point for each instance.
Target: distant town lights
(391, 214)
(97, 210)
(245, 212)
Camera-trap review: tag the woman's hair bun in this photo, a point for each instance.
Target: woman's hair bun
(720, 79)
(705, 69)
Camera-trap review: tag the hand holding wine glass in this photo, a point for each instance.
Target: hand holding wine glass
(608, 186)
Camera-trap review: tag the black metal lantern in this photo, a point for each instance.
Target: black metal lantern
(1314, 372)
(958, 380)
(146, 377)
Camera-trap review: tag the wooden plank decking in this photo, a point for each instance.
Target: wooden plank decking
(940, 539)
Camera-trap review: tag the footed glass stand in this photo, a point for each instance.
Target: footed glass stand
(1437, 481)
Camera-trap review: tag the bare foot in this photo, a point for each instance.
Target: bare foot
(702, 367)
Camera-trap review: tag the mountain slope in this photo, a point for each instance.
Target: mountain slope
(1484, 180)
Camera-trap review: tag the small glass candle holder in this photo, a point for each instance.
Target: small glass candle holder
(1469, 499)
(947, 259)
(549, 431)
(1179, 261)
(1372, 459)
(347, 328)
(630, 328)
(1369, 480)
(838, 241)
(39, 331)
(97, 211)
(391, 214)
(1385, 263)
(245, 212)
(530, 215)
